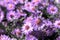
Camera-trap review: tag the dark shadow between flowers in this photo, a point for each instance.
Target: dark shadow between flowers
(40, 35)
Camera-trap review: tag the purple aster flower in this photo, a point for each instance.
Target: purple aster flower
(57, 24)
(27, 28)
(21, 13)
(45, 3)
(6, 1)
(4, 37)
(12, 15)
(38, 23)
(30, 37)
(32, 9)
(50, 31)
(28, 19)
(51, 9)
(1, 2)
(17, 32)
(10, 6)
(48, 22)
(29, 7)
(58, 38)
(14, 1)
(23, 1)
(37, 1)
(11, 1)
(40, 6)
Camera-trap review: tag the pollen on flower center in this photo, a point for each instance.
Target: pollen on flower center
(11, 16)
(28, 5)
(59, 24)
(52, 9)
(26, 27)
(10, 6)
(38, 21)
(36, 0)
(33, 8)
(14, 0)
(17, 33)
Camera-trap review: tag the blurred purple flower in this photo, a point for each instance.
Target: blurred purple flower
(10, 6)
(2, 3)
(29, 7)
(57, 1)
(21, 13)
(38, 23)
(58, 38)
(35, 2)
(48, 22)
(1, 15)
(50, 31)
(12, 15)
(4, 37)
(6, 1)
(28, 19)
(17, 32)
(27, 28)
(30, 37)
(45, 3)
(51, 9)
(57, 24)
(23, 1)
(14, 1)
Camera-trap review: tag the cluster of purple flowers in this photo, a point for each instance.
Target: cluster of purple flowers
(29, 20)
